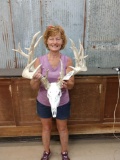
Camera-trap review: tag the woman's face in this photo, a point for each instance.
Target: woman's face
(54, 42)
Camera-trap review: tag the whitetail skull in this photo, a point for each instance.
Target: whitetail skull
(54, 93)
(53, 89)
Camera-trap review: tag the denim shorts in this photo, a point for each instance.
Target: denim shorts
(63, 112)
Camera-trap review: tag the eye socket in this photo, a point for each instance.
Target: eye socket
(59, 94)
(49, 93)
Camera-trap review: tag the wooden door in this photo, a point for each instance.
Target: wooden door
(87, 100)
(112, 102)
(25, 103)
(87, 105)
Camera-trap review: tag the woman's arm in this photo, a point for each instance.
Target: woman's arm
(69, 83)
(35, 81)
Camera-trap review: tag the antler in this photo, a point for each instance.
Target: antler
(27, 73)
(59, 83)
(29, 70)
(44, 80)
(80, 63)
(33, 46)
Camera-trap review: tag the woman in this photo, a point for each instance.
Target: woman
(55, 40)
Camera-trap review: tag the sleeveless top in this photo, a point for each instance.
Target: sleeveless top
(53, 75)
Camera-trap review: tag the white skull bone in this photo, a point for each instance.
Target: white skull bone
(54, 93)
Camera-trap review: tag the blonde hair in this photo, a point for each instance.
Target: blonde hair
(53, 31)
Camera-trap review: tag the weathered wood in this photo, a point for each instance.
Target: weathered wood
(93, 100)
(97, 128)
(6, 103)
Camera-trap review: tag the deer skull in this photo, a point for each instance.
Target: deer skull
(54, 93)
(53, 89)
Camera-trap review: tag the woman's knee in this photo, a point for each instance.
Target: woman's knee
(47, 128)
(62, 128)
(61, 125)
(46, 124)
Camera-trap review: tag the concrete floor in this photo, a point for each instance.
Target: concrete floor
(80, 148)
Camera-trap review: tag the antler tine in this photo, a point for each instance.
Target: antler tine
(76, 53)
(37, 42)
(80, 48)
(29, 70)
(45, 81)
(26, 72)
(62, 71)
(33, 46)
(19, 50)
(33, 42)
(82, 53)
(80, 63)
(61, 74)
(74, 49)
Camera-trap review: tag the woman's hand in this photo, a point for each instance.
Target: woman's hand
(64, 84)
(35, 81)
(37, 76)
(68, 84)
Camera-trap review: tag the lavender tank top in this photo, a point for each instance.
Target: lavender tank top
(53, 75)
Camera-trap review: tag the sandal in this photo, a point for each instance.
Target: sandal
(46, 155)
(65, 156)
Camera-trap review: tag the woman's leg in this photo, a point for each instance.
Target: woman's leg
(63, 132)
(46, 132)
